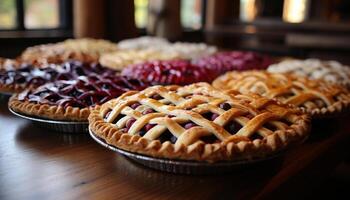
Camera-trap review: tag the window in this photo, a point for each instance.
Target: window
(35, 14)
(141, 13)
(7, 14)
(191, 13)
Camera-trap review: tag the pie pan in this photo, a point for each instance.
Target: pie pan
(56, 125)
(183, 166)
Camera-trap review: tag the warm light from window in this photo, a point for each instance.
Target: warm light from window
(41, 14)
(295, 11)
(7, 14)
(191, 14)
(248, 10)
(141, 13)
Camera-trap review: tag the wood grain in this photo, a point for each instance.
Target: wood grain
(36, 163)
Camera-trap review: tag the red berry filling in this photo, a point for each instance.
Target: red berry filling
(178, 72)
(234, 60)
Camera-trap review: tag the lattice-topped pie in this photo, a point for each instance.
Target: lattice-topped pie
(316, 97)
(198, 122)
(71, 100)
(17, 77)
(331, 71)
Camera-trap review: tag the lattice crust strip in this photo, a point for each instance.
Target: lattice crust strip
(316, 97)
(193, 121)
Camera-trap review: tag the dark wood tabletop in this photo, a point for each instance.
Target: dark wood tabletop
(36, 163)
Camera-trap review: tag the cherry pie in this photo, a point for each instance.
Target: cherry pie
(316, 97)
(198, 122)
(180, 72)
(234, 60)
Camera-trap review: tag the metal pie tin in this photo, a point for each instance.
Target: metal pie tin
(59, 126)
(183, 166)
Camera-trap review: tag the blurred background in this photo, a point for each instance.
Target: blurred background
(301, 28)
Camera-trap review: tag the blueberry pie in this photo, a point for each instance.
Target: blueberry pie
(71, 100)
(316, 97)
(16, 78)
(198, 122)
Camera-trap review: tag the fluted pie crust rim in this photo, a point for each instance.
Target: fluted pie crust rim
(47, 111)
(229, 150)
(337, 108)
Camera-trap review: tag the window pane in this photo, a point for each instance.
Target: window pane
(191, 13)
(7, 14)
(141, 13)
(41, 14)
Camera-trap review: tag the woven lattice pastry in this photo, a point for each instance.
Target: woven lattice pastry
(120, 59)
(331, 71)
(17, 77)
(71, 100)
(316, 97)
(86, 50)
(197, 122)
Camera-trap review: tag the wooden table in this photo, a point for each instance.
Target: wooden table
(37, 163)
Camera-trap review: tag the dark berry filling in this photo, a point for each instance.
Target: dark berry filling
(232, 127)
(167, 136)
(147, 111)
(225, 106)
(189, 125)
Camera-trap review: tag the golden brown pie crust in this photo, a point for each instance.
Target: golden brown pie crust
(188, 145)
(316, 97)
(47, 111)
(11, 88)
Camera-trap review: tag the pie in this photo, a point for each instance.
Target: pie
(316, 97)
(198, 122)
(331, 71)
(17, 77)
(234, 60)
(188, 50)
(71, 100)
(184, 50)
(120, 59)
(144, 42)
(180, 72)
(85, 50)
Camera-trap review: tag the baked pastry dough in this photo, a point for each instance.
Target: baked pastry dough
(198, 122)
(86, 50)
(331, 71)
(120, 59)
(71, 100)
(144, 42)
(316, 97)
